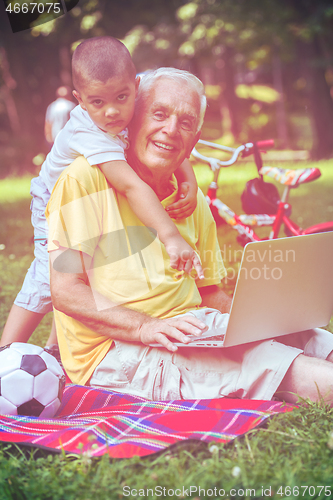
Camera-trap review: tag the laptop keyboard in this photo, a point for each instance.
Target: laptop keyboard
(212, 338)
(200, 341)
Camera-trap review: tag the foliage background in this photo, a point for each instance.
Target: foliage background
(267, 66)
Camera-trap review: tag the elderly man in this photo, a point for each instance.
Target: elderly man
(114, 292)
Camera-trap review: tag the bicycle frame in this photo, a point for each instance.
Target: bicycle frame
(243, 223)
(294, 229)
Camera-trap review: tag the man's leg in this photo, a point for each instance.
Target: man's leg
(254, 371)
(330, 357)
(308, 377)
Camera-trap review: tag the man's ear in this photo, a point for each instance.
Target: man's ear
(79, 99)
(195, 140)
(137, 83)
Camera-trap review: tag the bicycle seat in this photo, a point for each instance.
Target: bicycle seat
(291, 177)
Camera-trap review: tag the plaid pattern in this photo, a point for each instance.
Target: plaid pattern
(96, 421)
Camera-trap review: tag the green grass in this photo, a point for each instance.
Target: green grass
(16, 247)
(292, 451)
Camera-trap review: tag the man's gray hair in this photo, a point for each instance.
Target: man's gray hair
(181, 76)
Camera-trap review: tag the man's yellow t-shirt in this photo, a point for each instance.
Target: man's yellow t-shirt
(130, 266)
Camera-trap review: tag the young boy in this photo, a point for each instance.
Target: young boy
(105, 83)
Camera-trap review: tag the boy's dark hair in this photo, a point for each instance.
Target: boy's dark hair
(100, 58)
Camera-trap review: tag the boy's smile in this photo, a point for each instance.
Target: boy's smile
(110, 105)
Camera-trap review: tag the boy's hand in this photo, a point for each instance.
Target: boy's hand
(186, 203)
(182, 256)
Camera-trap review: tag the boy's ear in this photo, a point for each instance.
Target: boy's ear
(78, 98)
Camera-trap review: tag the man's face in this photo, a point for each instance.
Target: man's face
(110, 105)
(165, 129)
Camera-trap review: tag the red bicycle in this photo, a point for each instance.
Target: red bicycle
(261, 201)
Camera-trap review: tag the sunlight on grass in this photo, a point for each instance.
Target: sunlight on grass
(14, 189)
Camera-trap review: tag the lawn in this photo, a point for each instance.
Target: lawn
(292, 456)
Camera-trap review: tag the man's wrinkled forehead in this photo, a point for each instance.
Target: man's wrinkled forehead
(185, 100)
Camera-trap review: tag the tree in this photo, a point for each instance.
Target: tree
(280, 43)
(312, 26)
(226, 42)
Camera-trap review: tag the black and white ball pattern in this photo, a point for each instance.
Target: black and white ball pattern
(31, 381)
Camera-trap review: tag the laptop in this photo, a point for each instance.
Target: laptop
(283, 286)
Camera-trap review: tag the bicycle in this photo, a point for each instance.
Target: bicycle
(261, 201)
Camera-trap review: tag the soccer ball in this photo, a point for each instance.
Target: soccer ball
(31, 381)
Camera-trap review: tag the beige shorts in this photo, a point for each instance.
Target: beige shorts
(252, 371)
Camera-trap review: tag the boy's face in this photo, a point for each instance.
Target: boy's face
(110, 105)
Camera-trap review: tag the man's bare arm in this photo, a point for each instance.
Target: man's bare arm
(72, 295)
(214, 297)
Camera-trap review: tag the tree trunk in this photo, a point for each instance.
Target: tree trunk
(320, 99)
(229, 95)
(281, 117)
(6, 90)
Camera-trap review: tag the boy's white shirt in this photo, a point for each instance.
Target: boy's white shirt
(80, 136)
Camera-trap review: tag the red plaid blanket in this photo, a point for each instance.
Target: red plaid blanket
(96, 422)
